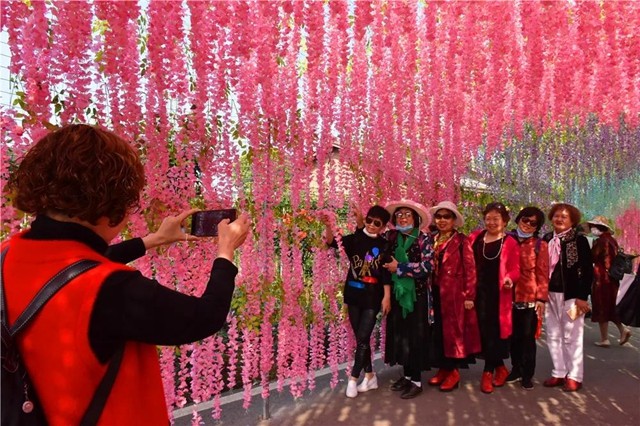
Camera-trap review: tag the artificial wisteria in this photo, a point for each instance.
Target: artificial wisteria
(289, 108)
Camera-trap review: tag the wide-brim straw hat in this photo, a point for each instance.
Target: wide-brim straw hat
(448, 205)
(600, 221)
(422, 211)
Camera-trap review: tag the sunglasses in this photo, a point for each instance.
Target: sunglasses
(377, 223)
(531, 222)
(405, 215)
(442, 216)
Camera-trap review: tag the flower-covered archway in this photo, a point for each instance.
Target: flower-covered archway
(292, 108)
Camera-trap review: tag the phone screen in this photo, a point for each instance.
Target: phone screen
(205, 223)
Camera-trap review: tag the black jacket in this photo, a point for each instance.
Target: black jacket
(573, 274)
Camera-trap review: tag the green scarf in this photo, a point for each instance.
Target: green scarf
(404, 288)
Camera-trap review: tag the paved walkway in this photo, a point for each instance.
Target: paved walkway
(610, 396)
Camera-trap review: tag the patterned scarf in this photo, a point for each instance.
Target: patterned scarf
(404, 288)
(555, 245)
(440, 245)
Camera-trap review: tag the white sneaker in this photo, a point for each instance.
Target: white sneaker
(368, 384)
(352, 389)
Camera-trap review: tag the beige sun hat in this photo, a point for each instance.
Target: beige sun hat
(600, 221)
(448, 205)
(425, 218)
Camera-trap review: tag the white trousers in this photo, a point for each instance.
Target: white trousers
(564, 338)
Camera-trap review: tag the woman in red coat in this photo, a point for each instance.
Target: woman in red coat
(605, 289)
(456, 337)
(497, 257)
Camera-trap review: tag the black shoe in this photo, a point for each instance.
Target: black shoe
(401, 384)
(412, 391)
(527, 384)
(514, 376)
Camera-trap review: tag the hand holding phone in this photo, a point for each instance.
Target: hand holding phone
(232, 235)
(205, 223)
(169, 231)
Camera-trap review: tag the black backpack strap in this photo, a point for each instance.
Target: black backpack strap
(3, 313)
(99, 400)
(96, 406)
(49, 290)
(52, 286)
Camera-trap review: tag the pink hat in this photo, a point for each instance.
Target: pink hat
(425, 218)
(448, 205)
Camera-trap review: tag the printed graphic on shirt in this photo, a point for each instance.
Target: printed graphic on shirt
(367, 269)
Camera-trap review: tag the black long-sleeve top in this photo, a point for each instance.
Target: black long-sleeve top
(573, 274)
(132, 307)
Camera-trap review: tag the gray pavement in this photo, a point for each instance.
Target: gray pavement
(610, 396)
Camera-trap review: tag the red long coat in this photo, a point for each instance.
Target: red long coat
(509, 267)
(604, 291)
(456, 277)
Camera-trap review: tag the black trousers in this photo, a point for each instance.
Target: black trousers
(414, 374)
(523, 341)
(492, 364)
(362, 322)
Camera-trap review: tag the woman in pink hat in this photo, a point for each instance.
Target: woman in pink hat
(455, 333)
(410, 262)
(605, 289)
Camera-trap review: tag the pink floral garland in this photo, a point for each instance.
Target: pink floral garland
(403, 90)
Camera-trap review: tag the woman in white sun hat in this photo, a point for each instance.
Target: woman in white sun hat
(605, 289)
(455, 332)
(410, 261)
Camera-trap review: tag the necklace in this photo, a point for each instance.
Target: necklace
(499, 250)
(442, 240)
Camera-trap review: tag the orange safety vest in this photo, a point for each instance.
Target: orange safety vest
(55, 346)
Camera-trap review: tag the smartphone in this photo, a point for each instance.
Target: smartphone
(205, 223)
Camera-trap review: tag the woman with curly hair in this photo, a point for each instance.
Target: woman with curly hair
(82, 183)
(570, 278)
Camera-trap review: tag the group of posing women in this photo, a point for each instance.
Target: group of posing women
(450, 299)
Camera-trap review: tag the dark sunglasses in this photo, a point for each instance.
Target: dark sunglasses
(442, 216)
(377, 223)
(528, 221)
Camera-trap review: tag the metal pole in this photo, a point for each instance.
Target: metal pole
(265, 409)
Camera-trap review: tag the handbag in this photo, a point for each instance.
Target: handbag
(622, 264)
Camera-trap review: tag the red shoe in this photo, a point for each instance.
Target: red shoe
(571, 385)
(486, 383)
(451, 382)
(439, 378)
(553, 382)
(501, 376)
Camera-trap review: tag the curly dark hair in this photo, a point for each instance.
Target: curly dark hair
(81, 171)
(499, 208)
(574, 213)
